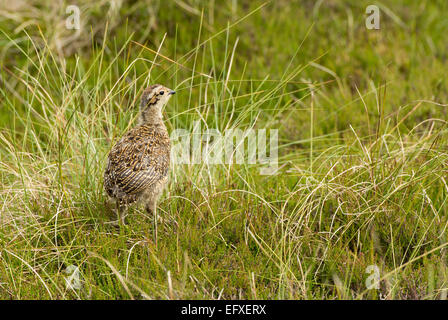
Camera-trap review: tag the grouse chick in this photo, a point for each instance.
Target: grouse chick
(138, 164)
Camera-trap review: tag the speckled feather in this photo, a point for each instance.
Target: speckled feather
(136, 162)
(140, 160)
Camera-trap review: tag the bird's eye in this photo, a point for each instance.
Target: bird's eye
(161, 93)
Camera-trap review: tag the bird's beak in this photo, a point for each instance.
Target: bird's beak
(172, 92)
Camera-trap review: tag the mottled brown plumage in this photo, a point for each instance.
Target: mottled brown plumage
(138, 164)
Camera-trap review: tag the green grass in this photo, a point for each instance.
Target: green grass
(363, 155)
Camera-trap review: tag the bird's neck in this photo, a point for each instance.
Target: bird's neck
(151, 118)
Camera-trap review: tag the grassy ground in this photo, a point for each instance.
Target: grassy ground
(363, 155)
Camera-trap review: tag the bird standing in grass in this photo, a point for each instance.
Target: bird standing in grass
(137, 169)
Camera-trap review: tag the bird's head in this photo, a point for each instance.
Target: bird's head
(153, 100)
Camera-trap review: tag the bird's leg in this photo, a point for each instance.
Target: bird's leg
(120, 214)
(151, 208)
(123, 216)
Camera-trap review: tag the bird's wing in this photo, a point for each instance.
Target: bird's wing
(135, 163)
